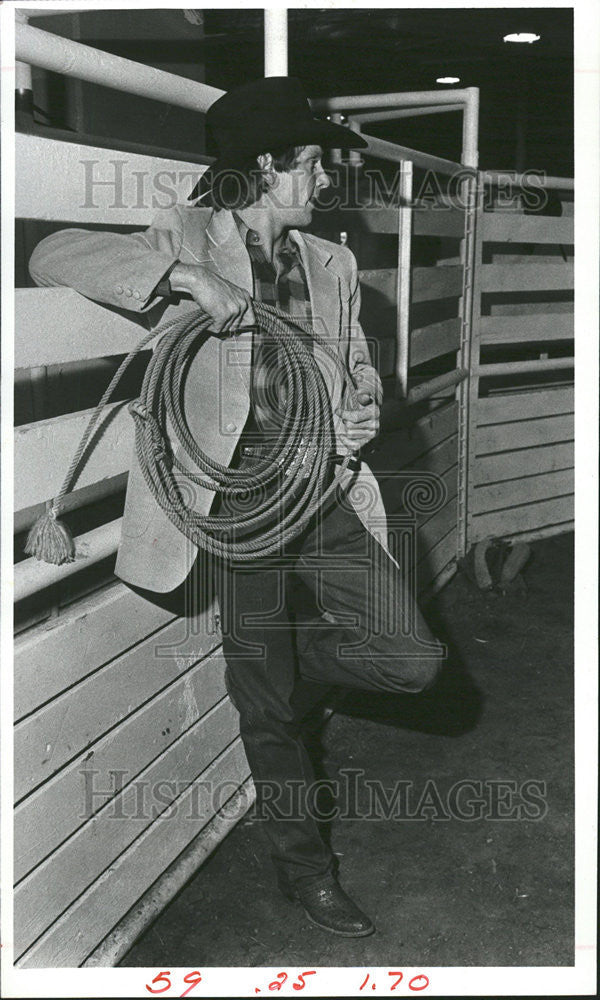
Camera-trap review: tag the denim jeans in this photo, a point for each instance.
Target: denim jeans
(351, 634)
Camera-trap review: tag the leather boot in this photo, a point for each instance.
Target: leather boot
(329, 907)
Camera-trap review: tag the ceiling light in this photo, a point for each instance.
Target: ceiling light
(522, 36)
(448, 79)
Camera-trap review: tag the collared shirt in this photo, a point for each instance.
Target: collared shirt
(283, 284)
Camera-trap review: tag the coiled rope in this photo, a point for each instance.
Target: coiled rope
(264, 506)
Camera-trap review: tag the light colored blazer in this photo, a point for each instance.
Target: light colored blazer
(123, 270)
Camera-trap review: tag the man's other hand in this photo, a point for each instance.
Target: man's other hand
(361, 425)
(228, 306)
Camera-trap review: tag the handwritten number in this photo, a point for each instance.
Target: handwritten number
(275, 985)
(415, 979)
(194, 978)
(364, 983)
(398, 980)
(161, 977)
(301, 984)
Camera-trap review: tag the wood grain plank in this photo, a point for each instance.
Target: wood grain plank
(444, 281)
(437, 560)
(431, 341)
(513, 492)
(509, 407)
(439, 221)
(530, 277)
(525, 462)
(504, 523)
(89, 633)
(505, 227)
(526, 328)
(43, 451)
(64, 182)
(398, 446)
(46, 740)
(56, 326)
(76, 866)
(523, 434)
(88, 783)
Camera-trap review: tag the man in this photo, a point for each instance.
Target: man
(263, 189)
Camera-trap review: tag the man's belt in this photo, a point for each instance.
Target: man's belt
(260, 450)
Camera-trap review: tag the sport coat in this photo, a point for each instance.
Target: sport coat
(124, 270)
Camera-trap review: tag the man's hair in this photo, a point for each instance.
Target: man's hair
(243, 185)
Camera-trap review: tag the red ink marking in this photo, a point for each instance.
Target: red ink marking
(194, 978)
(301, 984)
(414, 980)
(161, 977)
(366, 980)
(397, 981)
(275, 985)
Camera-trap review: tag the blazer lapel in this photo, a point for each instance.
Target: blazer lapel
(231, 260)
(325, 288)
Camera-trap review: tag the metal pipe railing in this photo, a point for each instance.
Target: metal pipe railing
(61, 55)
(527, 180)
(392, 151)
(392, 114)
(523, 367)
(393, 100)
(438, 384)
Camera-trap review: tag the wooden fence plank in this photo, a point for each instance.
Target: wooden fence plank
(70, 870)
(431, 341)
(398, 447)
(519, 491)
(523, 434)
(49, 445)
(529, 277)
(71, 798)
(512, 227)
(525, 462)
(526, 328)
(58, 731)
(509, 407)
(504, 523)
(56, 326)
(383, 281)
(444, 281)
(89, 633)
(69, 182)
(437, 559)
(436, 221)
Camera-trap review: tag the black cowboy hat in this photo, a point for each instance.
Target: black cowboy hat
(265, 115)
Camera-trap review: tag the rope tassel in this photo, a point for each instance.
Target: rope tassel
(50, 539)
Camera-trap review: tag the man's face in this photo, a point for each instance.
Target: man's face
(296, 190)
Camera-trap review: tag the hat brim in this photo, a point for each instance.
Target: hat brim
(326, 134)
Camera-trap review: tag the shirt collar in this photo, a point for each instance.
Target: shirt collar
(252, 238)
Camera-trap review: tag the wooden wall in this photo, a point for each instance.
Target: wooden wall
(124, 733)
(522, 403)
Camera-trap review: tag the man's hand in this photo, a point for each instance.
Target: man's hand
(361, 425)
(228, 306)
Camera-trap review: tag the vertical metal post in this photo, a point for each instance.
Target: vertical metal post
(470, 146)
(276, 41)
(468, 391)
(336, 154)
(23, 81)
(403, 280)
(354, 157)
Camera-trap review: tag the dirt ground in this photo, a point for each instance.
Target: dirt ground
(487, 891)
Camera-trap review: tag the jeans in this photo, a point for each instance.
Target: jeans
(353, 635)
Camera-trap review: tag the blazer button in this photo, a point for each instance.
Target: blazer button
(119, 289)
(136, 294)
(129, 291)
(230, 428)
